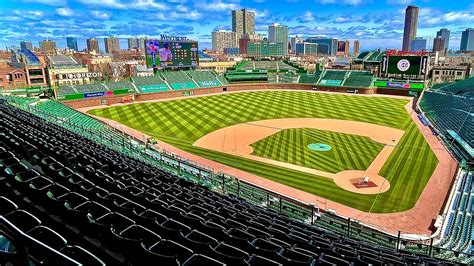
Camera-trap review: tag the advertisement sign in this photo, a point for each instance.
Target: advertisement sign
(81, 75)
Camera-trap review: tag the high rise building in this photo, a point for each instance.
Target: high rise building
(306, 48)
(418, 44)
(294, 41)
(326, 46)
(111, 44)
(132, 43)
(136, 43)
(246, 39)
(48, 47)
(348, 46)
(278, 34)
(411, 26)
(71, 43)
(223, 39)
(445, 34)
(467, 40)
(26, 45)
(141, 43)
(243, 22)
(356, 47)
(92, 44)
(438, 44)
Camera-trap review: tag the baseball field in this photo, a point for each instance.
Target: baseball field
(407, 168)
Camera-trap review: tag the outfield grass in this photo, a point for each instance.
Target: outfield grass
(182, 122)
(348, 152)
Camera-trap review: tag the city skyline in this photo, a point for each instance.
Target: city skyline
(375, 27)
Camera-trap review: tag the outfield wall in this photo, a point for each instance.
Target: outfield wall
(212, 90)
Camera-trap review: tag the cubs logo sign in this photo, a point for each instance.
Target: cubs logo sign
(403, 65)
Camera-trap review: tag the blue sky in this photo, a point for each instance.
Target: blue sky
(376, 23)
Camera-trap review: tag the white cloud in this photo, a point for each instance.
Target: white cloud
(64, 11)
(48, 2)
(170, 16)
(135, 4)
(345, 2)
(217, 5)
(148, 4)
(104, 3)
(353, 2)
(100, 14)
(399, 2)
(307, 17)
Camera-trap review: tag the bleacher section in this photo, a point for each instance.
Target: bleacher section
(267, 65)
(359, 79)
(450, 112)
(272, 77)
(204, 78)
(125, 210)
(461, 88)
(287, 78)
(247, 75)
(333, 77)
(310, 78)
(122, 85)
(458, 228)
(179, 80)
(150, 84)
(79, 90)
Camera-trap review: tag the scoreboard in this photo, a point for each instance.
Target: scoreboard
(404, 66)
(171, 53)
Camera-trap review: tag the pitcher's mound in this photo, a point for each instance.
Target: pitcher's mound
(359, 183)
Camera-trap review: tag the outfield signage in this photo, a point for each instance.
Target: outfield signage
(400, 85)
(153, 88)
(209, 83)
(404, 65)
(98, 94)
(94, 94)
(330, 82)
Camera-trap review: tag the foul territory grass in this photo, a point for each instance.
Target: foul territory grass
(182, 122)
(348, 152)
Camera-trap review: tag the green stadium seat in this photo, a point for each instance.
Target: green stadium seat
(179, 80)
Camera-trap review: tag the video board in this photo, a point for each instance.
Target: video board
(404, 65)
(171, 53)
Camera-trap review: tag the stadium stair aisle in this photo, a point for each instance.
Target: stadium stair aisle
(144, 214)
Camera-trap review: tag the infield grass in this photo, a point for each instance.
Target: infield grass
(348, 152)
(181, 122)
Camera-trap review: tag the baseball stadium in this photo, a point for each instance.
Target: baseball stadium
(265, 164)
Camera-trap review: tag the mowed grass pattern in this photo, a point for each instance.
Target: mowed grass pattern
(182, 122)
(348, 152)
